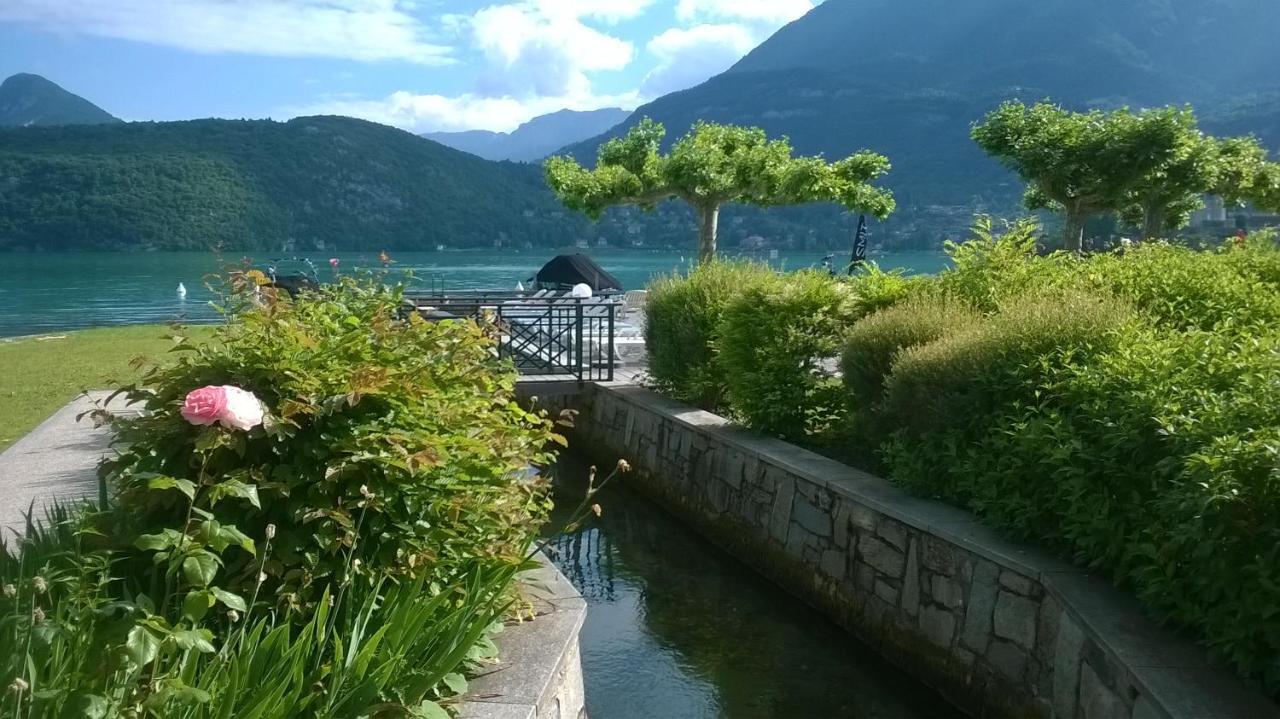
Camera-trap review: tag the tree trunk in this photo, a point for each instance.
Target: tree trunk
(1152, 223)
(708, 219)
(1073, 241)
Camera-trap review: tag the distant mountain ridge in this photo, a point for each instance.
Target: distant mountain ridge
(31, 100)
(309, 183)
(535, 139)
(909, 77)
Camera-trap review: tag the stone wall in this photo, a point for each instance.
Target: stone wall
(999, 629)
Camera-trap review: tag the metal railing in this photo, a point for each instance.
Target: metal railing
(543, 335)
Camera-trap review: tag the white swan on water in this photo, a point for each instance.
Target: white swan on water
(182, 290)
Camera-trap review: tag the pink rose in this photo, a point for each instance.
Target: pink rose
(243, 410)
(204, 405)
(231, 406)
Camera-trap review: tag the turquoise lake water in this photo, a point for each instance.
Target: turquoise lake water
(57, 292)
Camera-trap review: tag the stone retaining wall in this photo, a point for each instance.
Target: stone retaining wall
(1000, 629)
(539, 675)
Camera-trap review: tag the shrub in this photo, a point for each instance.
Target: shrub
(682, 315)
(354, 549)
(875, 341)
(398, 443)
(990, 267)
(1257, 256)
(1186, 289)
(874, 289)
(1154, 461)
(775, 342)
(966, 373)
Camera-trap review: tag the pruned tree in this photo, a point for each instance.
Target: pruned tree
(1235, 169)
(1080, 163)
(711, 165)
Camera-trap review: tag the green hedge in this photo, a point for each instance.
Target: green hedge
(873, 344)
(1120, 409)
(682, 316)
(772, 340)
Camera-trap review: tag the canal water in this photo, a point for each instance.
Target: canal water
(53, 292)
(678, 629)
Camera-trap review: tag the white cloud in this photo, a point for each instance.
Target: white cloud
(430, 113)
(687, 57)
(530, 51)
(365, 30)
(533, 57)
(772, 12)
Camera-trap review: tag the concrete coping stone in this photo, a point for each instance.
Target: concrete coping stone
(1176, 675)
(532, 653)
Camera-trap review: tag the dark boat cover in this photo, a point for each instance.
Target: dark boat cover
(576, 269)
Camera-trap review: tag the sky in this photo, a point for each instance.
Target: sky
(421, 65)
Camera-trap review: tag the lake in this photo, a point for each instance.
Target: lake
(45, 292)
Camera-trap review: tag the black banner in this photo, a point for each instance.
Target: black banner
(859, 244)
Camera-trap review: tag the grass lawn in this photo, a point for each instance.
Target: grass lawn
(39, 375)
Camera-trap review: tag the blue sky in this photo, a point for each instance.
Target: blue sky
(418, 64)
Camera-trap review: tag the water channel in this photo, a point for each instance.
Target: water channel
(677, 628)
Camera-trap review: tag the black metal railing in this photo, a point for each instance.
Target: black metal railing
(542, 334)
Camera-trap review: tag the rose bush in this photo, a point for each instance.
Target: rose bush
(320, 512)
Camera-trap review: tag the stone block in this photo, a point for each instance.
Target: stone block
(1015, 619)
(1097, 701)
(937, 625)
(1007, 658)
(981, 605)
(1066, 666)
(911, 582)
(840, 529)
(893, 532)
(886, 591)
(938, 556)
(780, 518)
(1017, 583)
(864, 576)
(946, 592)
(811, 517)
(885, 558)
(862, 517)
(1144, 709)
(834, 563)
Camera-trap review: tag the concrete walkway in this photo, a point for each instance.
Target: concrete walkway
(57, 461)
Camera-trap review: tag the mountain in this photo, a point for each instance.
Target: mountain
(27, 100)
(311, 182)
(909, 77)
(536, 138)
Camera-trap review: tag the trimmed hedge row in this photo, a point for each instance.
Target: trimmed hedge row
(1120, 409)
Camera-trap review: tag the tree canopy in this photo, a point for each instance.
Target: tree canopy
(1152, 167)
(711, 165)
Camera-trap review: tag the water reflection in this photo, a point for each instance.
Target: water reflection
(677, 628)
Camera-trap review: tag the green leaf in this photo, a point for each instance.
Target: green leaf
(234, 488)
(232, 535)
(156, 542)
(456, 683)
(200, 568)
(198, 603)
(428, 710)
(141, 646)
(185, 486)
(200, 640)
(85, 706)
(232, 601)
